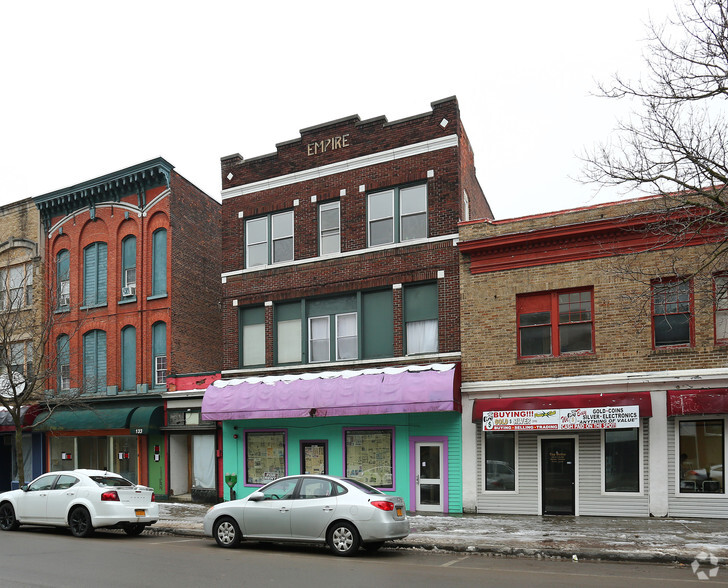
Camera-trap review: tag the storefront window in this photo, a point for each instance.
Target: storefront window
(265, 457)
(622, 460)
(62, 454)
(702, 456)
(369, 457)
(500, 461)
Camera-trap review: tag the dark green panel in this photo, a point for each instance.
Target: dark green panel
(252, 316)
(338, 305)
(128, 358)
(377, 324)
(420, 302)
(159, 262)
(288, 311)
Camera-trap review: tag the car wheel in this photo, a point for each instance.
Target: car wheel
(80, 522)
(226, 532)
(372, 547)
(343, 538)
(8, 522)
(134, 529)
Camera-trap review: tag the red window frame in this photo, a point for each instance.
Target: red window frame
(549, 302)
(662, 309)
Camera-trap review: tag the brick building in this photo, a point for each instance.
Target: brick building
(132, 260)
(21, 306)
(594, 379)
(341, 306)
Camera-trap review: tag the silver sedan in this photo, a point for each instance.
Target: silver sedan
(341, 512)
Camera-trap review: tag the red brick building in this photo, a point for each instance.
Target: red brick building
(340, 263)
(132, 264)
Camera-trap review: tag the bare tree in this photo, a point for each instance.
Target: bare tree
(31, 373)
(674, 145)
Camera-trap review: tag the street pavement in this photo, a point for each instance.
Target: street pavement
(595, 538)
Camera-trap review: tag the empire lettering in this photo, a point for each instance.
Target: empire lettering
(331, 144)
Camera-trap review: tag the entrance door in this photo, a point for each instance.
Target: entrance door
(313, 457)
(558, 481)
(428, 481)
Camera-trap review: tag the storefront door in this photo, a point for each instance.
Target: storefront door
(558, 481)
(313, 457)
(428, 482)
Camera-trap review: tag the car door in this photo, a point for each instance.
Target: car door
(59, 497)
(33, 502)
(271, 517)
(314, 508)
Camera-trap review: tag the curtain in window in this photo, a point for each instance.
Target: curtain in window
(289, 341)
(319, 339)
(422, 337)
(346, 336)
(203, 461)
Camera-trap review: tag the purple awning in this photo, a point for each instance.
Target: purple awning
(433, 388)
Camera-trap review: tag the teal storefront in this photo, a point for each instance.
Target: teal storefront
(397, 429)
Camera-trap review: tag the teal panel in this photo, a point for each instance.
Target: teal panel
(64, 265)
(128, 253)
(90, 271)
(252, 316)
(377, 324)
(159, 262)
(128, 358)
(337, 305)
(101, 274)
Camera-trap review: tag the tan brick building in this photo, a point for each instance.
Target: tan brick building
(594, 373)
(21, 304)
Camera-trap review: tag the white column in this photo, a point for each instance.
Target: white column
(469, 465)
(657, 455)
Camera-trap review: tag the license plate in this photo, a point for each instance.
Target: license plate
(140, 512)
(399, 511)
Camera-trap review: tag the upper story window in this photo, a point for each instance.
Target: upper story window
(421, 318)
(64, 362)
(721, 309)
(252, 334)
(555, 323)
(94, 362)
(16, 287)
(269, 239)
(19, 358)
(396, 215)
(128, 358)
(128, 267)
(672, 317)
(63, 279)
(159, 262)
(94, 274)
(159, 354)
(333, 329)
(288, 332)
(329, 228)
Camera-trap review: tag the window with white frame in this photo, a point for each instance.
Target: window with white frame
(319, 340)
(159, 353)
(622, 460)
(333, 329)
(329, 228)
(16, 287)
(500, 460)
(396, 215)
(347, 341)
(269, 239)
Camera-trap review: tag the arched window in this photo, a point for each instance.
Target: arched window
(159, 262)
(94, 362)
(159, 354)
(128, 267)
(63, 281)
(94, 274)
(128, 358)
(63, 353)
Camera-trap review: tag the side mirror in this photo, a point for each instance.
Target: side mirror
(24, 487)
(256, 497)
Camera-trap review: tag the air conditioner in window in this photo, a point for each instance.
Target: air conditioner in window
(129, 290)
(64, 300)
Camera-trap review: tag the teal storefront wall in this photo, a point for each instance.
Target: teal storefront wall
(331, 430)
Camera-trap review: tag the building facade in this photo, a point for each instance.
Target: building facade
(341, 301)
(132, 259)
(594, 379)
(21, 308)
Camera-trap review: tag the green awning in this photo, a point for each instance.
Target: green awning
(118, 416)
(146, 419)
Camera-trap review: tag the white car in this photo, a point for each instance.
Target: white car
(83, 500)
(340, 512)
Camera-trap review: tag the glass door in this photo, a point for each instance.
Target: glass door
(428, 480)
(558, 476)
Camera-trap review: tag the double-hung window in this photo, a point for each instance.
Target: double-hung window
(672, 318)
(63, 282)
(128, 267)
(421, 318)
(288, 332)
(269, 239)
(16, 287)
(252, 336)
(64, 362)
(329, 228)
(159, 354)
(396, 215)
(94, 275)
(555, 323)
(333, 329)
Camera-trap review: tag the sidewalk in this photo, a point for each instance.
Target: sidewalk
(622, 539)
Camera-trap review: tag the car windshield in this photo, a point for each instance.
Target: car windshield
(111, 481)
(363, 487)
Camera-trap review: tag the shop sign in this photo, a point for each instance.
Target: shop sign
(562, 419)
(330, 144)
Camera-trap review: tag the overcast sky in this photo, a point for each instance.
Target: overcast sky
(92, 87)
